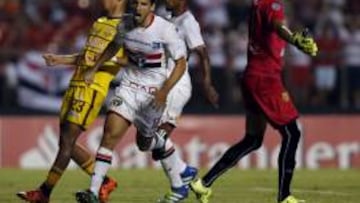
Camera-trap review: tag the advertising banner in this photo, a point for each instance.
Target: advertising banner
(330, 141)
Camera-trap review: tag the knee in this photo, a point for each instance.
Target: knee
(65, 146)
(254, 140)
(68, 136)
(292, 130)
(257, 144)
(144, 143)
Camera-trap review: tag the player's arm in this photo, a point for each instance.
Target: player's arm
(205, 68)
(177, 51)
(302, 40)
(201, 52)
(275, 13)
(107, 55)
(114, 46)
(56, 59)
(195, 42)
(176, 74)
(111, 50)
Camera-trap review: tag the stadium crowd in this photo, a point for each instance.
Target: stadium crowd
(326, 83)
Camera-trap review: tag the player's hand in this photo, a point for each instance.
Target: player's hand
(51, 59)
(305, 42)
(122, 61)
(89, 77)
(211, 94)
(159, 101)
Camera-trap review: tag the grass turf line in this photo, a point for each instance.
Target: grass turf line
(237, 186)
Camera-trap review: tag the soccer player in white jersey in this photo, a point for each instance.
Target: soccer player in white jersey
(142, 95)
(189, 31)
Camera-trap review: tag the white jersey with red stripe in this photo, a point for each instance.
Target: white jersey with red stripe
(152, 47)
(189, 31)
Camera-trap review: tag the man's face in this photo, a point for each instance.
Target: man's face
(142, 9)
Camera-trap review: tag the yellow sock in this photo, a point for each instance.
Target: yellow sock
(88, 166)
(53, 176)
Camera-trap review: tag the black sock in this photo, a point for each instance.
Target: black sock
(290, 138)
(46, 189)
(231, 157)
(106, 179)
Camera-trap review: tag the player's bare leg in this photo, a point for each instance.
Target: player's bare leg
(176, 169)
(79, 154)
(255, 129)
(83, 158)
(114, 129)
(69, 133)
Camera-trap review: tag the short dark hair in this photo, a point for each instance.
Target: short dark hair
(153, 1)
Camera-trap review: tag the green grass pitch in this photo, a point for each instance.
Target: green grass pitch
(237, 186)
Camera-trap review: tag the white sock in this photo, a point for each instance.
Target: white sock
(102, 165)
(173, 166)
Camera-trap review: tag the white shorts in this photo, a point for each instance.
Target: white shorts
(176, 101)
(133, 104)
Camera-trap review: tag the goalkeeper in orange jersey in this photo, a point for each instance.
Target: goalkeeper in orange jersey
(82, 102)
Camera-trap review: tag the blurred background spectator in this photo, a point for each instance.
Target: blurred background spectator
(326, 83)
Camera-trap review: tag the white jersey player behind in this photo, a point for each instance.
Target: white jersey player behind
(177, 171)
(189, 31)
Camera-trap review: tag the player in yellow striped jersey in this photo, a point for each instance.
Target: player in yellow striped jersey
(82, 102)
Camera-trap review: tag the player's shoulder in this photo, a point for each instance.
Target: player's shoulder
(107, 21)
(163, 23)
(187, 21)
(102, 19)
(161, 20)
(189, 18)
(99, 21)
(188, 15)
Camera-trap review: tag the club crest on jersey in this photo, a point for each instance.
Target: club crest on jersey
(156, 45)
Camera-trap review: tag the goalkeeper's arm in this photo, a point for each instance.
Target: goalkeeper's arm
(301, 40)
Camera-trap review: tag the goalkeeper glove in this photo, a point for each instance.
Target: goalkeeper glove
(304, 42)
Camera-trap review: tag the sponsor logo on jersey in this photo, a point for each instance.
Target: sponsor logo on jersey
(156, 45)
